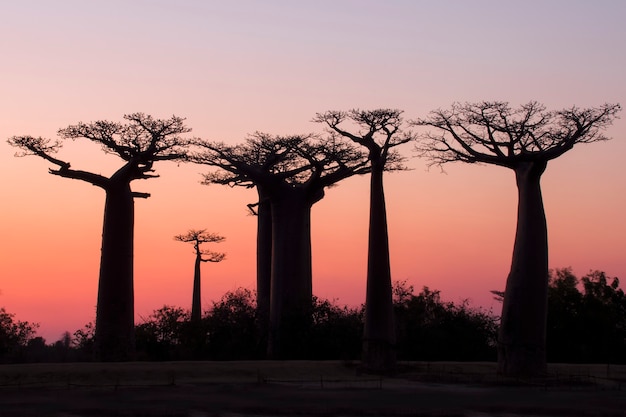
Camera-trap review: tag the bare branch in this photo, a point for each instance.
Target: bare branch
(198, 237)
(377, 130)
(266, 160)
(39, 146)
(140, 143)
(494, 133)
(142, 139)
(210, 256)
(94, 179)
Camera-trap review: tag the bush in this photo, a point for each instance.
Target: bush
(431, 330)
(14, 337)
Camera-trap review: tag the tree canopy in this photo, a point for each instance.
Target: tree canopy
(493, 132)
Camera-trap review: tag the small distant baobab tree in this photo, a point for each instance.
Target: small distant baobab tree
(379, 131)
(197, 238)
(140, 143)
(524, 140)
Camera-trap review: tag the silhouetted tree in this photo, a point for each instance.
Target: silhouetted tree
(198, 237)
(83, 341)
(379, 131)
(258, 157)
(140, 142)
(290, 173)
(524, 140)
(14, 335)
(336, 332)
(231, 327)
(431, 329)
(164, 334)
(563, 332)
(587, 326)
(604, 319)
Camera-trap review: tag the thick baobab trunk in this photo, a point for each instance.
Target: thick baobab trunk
(379, 354)
(263, 263)
(196, 302)
(115, 333)
(291, 286)
(522, 337)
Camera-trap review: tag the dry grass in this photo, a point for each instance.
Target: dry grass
(207, 372)
(299, 388)
(164, 373)
(559, 374)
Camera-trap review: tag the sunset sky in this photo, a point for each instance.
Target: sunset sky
(235, 67)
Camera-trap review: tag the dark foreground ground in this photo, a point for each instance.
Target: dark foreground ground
(296, 389)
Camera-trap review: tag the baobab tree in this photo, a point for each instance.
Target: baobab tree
(522, 139)
(379, 131)
(247, 166)
(290, 174)
(197, 238)
(140, 142)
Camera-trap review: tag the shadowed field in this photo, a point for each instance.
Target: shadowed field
(327, 388)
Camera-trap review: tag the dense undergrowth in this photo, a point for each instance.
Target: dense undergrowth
(586, 324)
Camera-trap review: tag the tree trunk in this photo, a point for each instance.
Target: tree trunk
(196, 301)
(379, 354)
(291, 286)
(115, 333)
(263, 264)
(522, 336)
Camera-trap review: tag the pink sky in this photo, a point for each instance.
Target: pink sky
(232, 68)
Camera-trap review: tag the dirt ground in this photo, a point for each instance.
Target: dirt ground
(291, 389)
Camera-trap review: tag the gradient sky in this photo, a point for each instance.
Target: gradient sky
(235, 67)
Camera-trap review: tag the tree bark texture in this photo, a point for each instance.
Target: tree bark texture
(291, 282)
(379, 350)
(522, 336)
(115, 335)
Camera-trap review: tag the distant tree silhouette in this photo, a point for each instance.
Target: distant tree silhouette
(231, 326)
(197, 238)
(164, 334)
(430, 329)
(379, 131)
(83, 341)
(524, 140)
(290, 173)
(337, 331)
(586, 318)
(604, 314)
(140, 142)
(14, 335)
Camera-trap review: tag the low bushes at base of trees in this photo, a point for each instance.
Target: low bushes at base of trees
(586, 324)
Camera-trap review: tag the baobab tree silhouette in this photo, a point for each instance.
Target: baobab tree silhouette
(379, 131)
(290, 174)
(140, 142)
(524, 140)
(197, 238)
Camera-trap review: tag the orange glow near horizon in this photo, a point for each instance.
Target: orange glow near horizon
(233, 69)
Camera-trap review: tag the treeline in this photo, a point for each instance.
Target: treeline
(586, 324)
(290, 174)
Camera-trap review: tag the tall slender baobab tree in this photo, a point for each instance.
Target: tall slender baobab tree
(290, 174)
(379, 131)
(140, 142)
(524, 140)
(197, 238)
